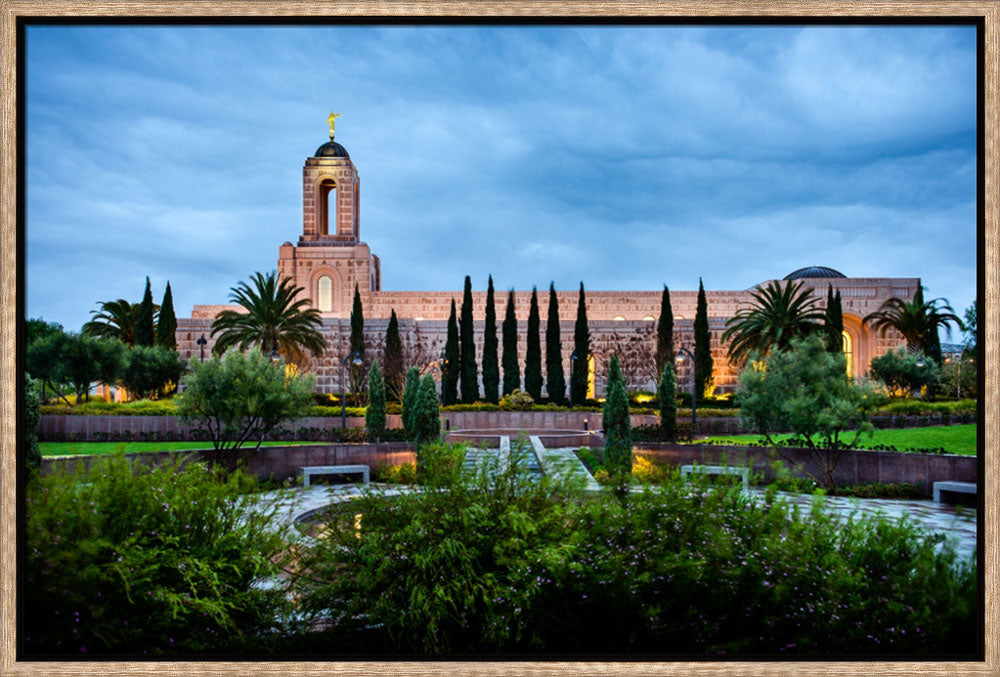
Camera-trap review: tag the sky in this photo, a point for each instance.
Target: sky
(625, 157)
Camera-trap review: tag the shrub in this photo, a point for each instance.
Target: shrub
(517, 401)
(150, 369)
(162, 560)
(427, 418)
(648, 471)
(804, 390)
(404, 473)
(615, 420)
(240, 398)
(499, 563)
(899, 372)
(32, 414)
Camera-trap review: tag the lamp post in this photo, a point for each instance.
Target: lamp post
(201, 344)
(355, 359)
(572, 373)
(442, 363)
(694, 397)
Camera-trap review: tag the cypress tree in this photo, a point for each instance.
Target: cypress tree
(452, 360)
(533, 355)
(411, 397)
(357, 325)
(166, 324)
(581, 348)
(615, 421)
(511, 367)
(556, 378)
(470, 371)
(375, 411)
(491, 367)
(427, 425)
(393, 360)
(665, 332)
(144, 335)
(833, 321)
(702, 344)
(667, 393)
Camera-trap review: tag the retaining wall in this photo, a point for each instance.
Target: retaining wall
(56, 427)
(279, 463)
(854, 467)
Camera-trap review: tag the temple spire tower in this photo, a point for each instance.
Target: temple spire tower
(330, 258)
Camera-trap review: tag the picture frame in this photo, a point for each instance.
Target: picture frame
(12, 280)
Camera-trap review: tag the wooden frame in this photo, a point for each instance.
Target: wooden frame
(989, 10)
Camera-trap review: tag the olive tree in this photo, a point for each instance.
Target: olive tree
(902, 372)
(805, 390)
(240, 398)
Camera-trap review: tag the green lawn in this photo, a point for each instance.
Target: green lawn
(957, 439)
(74, 448)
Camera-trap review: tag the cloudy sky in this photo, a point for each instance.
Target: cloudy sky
(625, 157)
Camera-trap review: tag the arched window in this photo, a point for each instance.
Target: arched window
(649, 318)
(618, 318)
(848, 348)
(591, 377)
(325, 295)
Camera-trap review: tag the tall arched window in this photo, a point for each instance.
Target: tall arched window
(848, 348)
(325, 289)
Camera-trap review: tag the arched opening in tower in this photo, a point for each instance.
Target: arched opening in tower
(328, 206)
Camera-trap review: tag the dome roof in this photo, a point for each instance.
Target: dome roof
(813, 271)
(331, 149)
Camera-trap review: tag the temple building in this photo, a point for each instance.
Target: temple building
(329, 259)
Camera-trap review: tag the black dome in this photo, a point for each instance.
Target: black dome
(814, 271)
(331, 149)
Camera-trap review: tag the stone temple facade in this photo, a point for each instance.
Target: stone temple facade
(329, 259)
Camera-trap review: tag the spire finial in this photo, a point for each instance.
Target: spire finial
(332, 120)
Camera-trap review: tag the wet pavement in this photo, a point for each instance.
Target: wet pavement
(956, 522)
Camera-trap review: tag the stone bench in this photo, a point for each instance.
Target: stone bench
(744, 473)
(947, 492)
(309, 471)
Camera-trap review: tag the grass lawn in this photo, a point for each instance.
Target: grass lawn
(74, 448)
(957, 439)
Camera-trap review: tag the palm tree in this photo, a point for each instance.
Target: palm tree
(273, 320)
(780, 314)
(916, 320)
(115, 319)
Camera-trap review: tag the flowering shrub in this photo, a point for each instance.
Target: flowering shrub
(501, 563)
(158, 561)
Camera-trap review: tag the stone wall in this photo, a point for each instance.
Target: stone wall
(58, 427)
(278, 463)
(423, 326)
(854, 467)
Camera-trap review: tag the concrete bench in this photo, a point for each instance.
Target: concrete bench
(948, 492)
(309, 471)
(744, 473)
